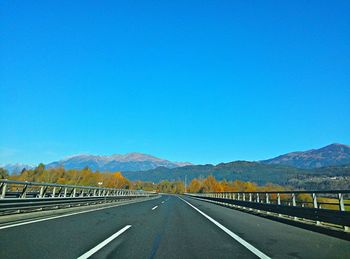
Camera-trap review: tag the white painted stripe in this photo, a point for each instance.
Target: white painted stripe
(104, 243)
(162, 201)
(251, 248)
(154, 207)
(62, 216)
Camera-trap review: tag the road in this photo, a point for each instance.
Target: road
(167, 227)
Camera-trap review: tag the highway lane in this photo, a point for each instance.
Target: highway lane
(276, 239)
(167, 227)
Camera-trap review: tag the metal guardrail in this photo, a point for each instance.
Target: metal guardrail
(20, 196)
(319, 206)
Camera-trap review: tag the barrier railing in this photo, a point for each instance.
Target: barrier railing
(319, 206)
(20, 195)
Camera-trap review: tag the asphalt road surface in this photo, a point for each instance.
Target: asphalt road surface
(167, 227)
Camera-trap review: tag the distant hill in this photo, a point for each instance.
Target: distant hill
(331, 155)
(326, 177)
(127, 162)
(239, 170)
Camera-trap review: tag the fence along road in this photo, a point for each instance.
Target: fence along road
(19, 196)
(168, 227)
(321, 207)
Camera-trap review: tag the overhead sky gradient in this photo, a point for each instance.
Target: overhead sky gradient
(198, 81)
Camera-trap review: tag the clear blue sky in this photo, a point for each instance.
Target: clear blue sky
(198, 81)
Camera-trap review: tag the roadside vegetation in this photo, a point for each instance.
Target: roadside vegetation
(87, 177)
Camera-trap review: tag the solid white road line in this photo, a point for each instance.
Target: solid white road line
(154, 207)
(251, 248)
(104, 243)
(61, 216)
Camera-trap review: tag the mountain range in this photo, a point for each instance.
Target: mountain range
(127, 162)
(332, 177)
(331, 155)
(146, 167)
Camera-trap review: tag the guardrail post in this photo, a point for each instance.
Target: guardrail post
(294, 203)
(243, 197)
(341, 202)
(74, 192)
(24, 191)
(278, 199)
(257, 198)
(342, 208)
(279, 203)
(238, 196)
(41, 193)
(65, 192)
(314, 199)
(59, 192)
(3, 190)
(53, 191)
(267, 198)
(250, 197)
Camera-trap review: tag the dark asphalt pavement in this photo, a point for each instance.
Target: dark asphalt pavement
(172, 230)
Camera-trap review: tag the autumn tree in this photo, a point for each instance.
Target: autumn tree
(211, 185)
(3, 173)
(194, 186)
(115, 180)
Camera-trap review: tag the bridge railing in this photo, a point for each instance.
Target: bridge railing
(331, 207)
(22, 195)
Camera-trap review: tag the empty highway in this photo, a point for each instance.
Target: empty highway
(166, 227)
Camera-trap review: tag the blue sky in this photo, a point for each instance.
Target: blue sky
(198, 81)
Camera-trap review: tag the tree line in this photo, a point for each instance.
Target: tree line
(87, 177)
